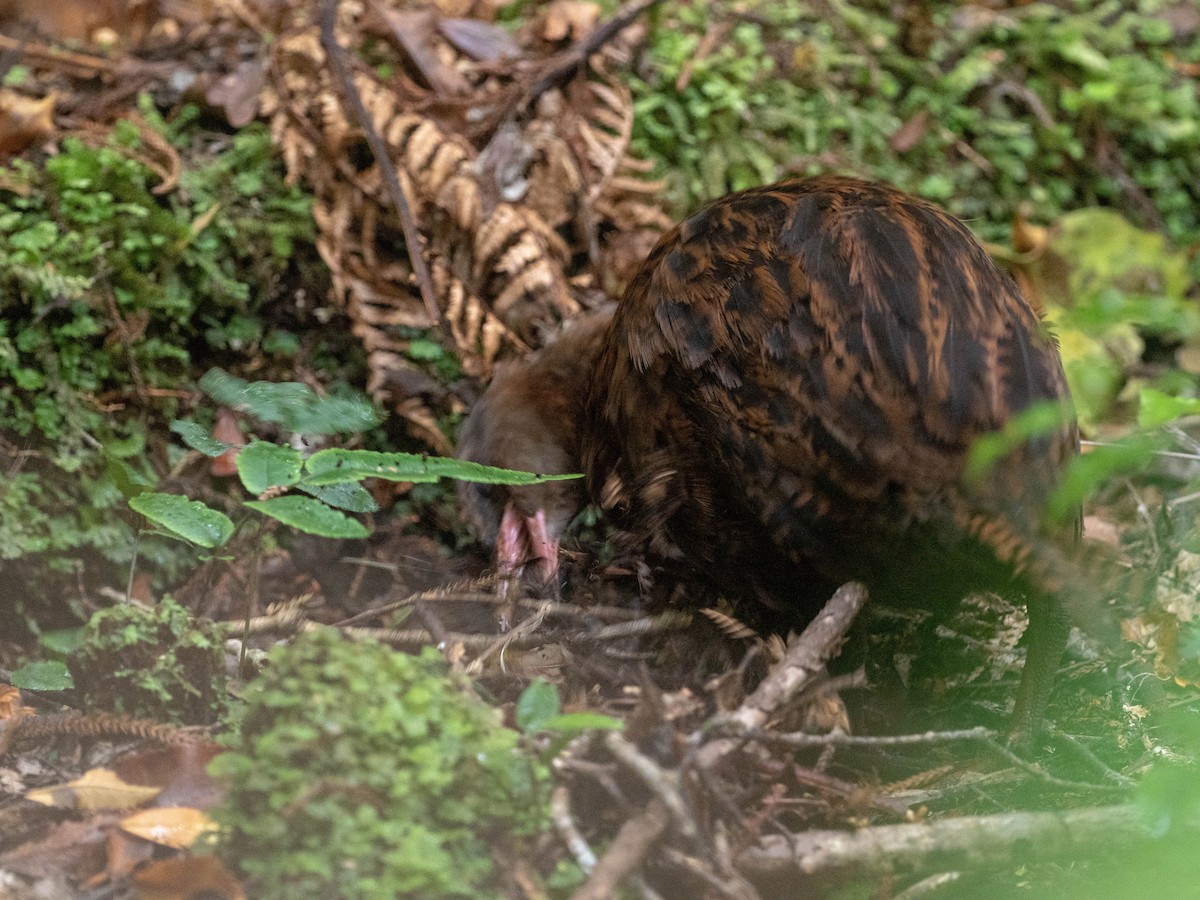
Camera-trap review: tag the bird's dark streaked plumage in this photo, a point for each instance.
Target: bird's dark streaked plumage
(788, 392)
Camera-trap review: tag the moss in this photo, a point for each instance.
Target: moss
(360, 772)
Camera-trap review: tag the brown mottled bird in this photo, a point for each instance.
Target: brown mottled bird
(788, 392)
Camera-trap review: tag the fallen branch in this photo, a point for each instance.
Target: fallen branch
(949, 844)
(804, 660)
(560, 814)
(84, 65)
(841, 739)
(662, 782)
(626, 853)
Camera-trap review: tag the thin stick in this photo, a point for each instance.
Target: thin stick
(564, 66)
(350, 96)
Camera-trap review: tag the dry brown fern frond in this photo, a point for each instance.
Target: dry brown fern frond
(734, 628)
(503, 210)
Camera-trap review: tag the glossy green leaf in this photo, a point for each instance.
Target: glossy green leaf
(352, 497)
(295, 406)
(45, 675)
(188, 519)
(1156, 408)
(537, 704)
(262, 465)
(310, 516)
(198, 438)
(573, 723)
(338, 466)
(62, 640)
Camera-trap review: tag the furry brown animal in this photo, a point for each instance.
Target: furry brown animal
(529, 419)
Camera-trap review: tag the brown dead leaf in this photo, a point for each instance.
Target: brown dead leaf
(178, 771)
(1187, 69)
(24, 121)
(910, 133)
(1101, 530)
(1168, 664)
(1187, 358)
(178, 827)
(128, 330)
(479, 40)
(124, 854)
(732, 627)
(824, 714)
(1028, 238)
(12, 709)
(226, 429)
(82, 20)
(96, 789)
(188, 878)
(15, 184)
(570, 19)
(501, 270)
(413, 31)
(237, 93)
(68, 846)
(11, 704)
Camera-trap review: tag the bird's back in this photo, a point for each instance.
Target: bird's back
(792, 383)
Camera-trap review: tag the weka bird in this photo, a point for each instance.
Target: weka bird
(528, 419)
(788, 392)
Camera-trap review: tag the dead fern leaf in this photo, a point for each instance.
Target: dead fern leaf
(730, 626)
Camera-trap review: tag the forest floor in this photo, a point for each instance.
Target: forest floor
(299, 154)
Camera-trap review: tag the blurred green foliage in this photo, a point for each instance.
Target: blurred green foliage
(1114, 292)
(361, 772)
(1058, 105)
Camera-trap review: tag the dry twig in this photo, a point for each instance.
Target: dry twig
(804, 660)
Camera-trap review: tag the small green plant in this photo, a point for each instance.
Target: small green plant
(153, 663)
(539, 711)
(360, 772)
(331, 479)
(107, 289)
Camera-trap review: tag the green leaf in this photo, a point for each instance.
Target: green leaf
(537, 705)
(62, 640)
(262, 465)
(128, 480)
(573, 723)
(425, 349)
(1104, 250)
(310, 516)
(293, 405)
(338, 466)
(188, 519)
(1083, 55)
(197, 437)
(46, 675)
(1091, 469)
(351, 497)
(1156, 408)
(1039, 419)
